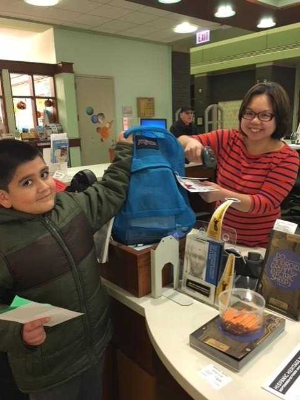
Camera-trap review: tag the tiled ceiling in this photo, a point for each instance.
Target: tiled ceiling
(248, 12)
(118, 17)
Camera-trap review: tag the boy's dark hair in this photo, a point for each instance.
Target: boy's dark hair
(13, 153)
(280, 103)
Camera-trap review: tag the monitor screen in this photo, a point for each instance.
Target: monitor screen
(158, 122)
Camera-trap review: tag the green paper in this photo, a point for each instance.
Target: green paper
(16, 303)
(19, 302)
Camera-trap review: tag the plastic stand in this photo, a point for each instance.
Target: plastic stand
(167, 252)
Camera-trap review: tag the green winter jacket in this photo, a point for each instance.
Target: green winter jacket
(51, 259)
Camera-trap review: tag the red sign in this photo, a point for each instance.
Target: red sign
(202, 37)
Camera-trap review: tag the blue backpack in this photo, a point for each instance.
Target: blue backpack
(156, 205)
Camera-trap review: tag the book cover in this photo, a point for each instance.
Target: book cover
(213, 261)
(280, 281)
(211, 340)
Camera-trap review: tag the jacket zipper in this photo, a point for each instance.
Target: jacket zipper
(52, 229)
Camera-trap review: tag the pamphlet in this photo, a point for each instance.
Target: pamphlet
(285, 382)
(194, 184)
(23, 311)
(59, 148)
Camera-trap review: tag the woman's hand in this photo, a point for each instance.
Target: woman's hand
(192, 148)
(33, 333)
(211, 197)
(222, 194)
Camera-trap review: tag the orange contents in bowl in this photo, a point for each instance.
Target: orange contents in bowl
(240, 322)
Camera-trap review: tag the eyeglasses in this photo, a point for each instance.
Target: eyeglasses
(262, 116)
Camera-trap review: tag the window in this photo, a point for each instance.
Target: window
(34, 100)
(3, 122)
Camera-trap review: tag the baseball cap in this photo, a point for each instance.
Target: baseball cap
(186, 108)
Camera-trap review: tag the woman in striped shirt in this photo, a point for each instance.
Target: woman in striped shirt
(253, 164)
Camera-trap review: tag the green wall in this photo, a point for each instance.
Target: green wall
(139, 69)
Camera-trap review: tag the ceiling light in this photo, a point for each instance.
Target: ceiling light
(225, 12)
(169, 1)
(266, 23)
(185, 27)
(42, 3)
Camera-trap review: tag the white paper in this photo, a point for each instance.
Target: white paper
(32, 311)
(101, 239)
(59, 175)
(214, 377)
(285, 381)
(194, 184)
(285, 226)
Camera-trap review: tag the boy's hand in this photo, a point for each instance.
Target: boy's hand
(33, 333)
(121, 138)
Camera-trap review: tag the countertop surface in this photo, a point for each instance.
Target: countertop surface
(169, 326)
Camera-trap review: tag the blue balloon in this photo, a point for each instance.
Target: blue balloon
(94, 119)
(89, 110)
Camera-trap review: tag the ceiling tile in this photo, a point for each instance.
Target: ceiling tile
(117, 25)
(124, 4)
(83, 6)
(139, 30)
(101, 29)
(24, 8)
(178, 17)
(154, 11)
(91, 20)
(166, 33)
(138, 17)
(110, 12)
(202, 22)
(163, 23)
(61, 15)
(99, 1)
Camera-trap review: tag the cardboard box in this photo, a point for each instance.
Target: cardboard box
(130, 268)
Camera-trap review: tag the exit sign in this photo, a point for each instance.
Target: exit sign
(202, 37)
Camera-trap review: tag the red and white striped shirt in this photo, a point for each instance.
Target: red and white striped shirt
(267, 178)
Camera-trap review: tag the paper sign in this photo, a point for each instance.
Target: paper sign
(23, 311)
(214, 377)
(194, 184)
(285, 226)
(285, 382)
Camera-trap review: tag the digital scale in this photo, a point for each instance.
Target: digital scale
(233, 351)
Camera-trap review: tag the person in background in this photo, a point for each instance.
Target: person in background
(185, 124)
(47, 255)
(254, 164)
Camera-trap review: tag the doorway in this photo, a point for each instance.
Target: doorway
(96, 117)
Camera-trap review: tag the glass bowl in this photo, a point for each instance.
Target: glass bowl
(241, 311)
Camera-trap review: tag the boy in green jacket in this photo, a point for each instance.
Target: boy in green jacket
(47, 255)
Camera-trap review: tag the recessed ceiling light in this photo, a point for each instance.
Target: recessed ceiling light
(42, 3)
(225, 12)
(185, 27)
(169, 1)
(266, 23)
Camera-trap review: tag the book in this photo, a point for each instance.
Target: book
(280, 280)
(211, 340)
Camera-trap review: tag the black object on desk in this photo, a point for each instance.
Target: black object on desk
(82, 180)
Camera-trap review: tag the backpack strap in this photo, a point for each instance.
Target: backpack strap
(149, 131)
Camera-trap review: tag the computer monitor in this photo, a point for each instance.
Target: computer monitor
(158, 122)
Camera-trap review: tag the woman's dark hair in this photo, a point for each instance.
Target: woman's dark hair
(280, 103)
(13, 153)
